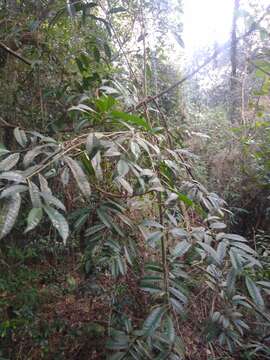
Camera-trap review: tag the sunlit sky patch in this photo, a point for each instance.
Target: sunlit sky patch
(206, 22)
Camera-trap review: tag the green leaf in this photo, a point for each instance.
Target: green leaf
(104, 217)
(170, 331)
(79, 176)
(9, 213)
(117, 10)
(34, 195)
(122, 168)
(254, 292)
(52, 200)
(244, 247)
(264, 284)
(230, 281)
(9, 162)
(13, 190)
(131, 119)
(119, 341)
(208, 249)
(126, 185)
(33, 219)
(92, 145)
(20, 137)
(154, 237)
(94, 229)
(135, 149)
(96, 54)
(152, 321)
(178, 294)
(107, 51)
(44, 185)
(234, 237)
(181, 248)
(177, 305)
(83, 108)
(58, 221)
(236, 260)
(13, 176)
(218, 226)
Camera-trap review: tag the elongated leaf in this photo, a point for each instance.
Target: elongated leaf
(235, 259)
(181, 248)
(79, 176)
(231, 279)
(244, 247)
(58, 221)
(254, 292)
(44, 185)
(221, 250)
(152, 321)
(210, 251)
(9, 162)
(104, 217)
(234, 237)
(122, 168)
(9, 213)
(33, 219)
(94, 229)
(126, 185)
(52, 200)
(33, 153)
(13, 190)
(170, 331)
(13, 176)
(117, 10)
(132, 119)
(83, 108)
(20, 137)
(92, 145)
(34, 195)
(3, 151)
(65, 176)
(180, 296)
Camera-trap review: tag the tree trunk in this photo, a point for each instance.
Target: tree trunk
(234, 83)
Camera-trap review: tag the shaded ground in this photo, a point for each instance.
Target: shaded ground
(50, 310)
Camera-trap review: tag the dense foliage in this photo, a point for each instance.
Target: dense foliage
(111, 246)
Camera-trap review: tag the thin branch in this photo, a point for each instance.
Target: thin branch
(218, 51)
(15, 54)
(259, 68)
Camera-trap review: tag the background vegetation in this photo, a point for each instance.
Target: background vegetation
(134, 195)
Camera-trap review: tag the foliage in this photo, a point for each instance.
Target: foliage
(116, 192)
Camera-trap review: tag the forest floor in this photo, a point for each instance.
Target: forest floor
(49, 309)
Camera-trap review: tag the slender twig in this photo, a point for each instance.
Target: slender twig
(15, 54)
(217, 51)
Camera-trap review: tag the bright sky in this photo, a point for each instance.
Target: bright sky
(206, 22)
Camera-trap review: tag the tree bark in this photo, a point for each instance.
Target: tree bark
(234, 82)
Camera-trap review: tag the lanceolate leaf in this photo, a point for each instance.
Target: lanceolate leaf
(52, 200)
(33, 219)
(9, 213)
(181, 248)
(58, 221)
(132, 119)
(44, 185)
(34, 195)
(20, 136)
(9, 162)
(11, 190)
(13, 176)
(153, 321)
(254, 292)
(79, 176)
(92, 144)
